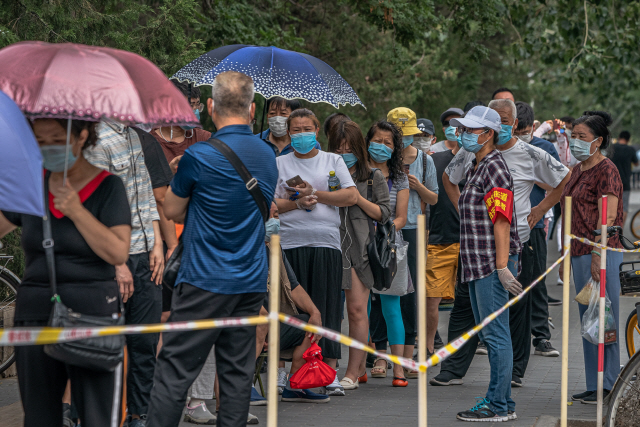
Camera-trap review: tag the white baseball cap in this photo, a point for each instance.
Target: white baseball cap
(479, 117)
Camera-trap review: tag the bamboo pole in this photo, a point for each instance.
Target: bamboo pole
(603, 288)
(274, 333)
(566, 278)
(421, 247)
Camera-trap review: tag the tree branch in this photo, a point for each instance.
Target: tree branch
(586, 36)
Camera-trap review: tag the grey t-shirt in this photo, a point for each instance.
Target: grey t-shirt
(528, 165)
(401, 184)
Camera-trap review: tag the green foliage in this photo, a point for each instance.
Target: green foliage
(11, 246)
(155, 30)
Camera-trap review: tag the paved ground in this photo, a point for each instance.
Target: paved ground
(377, 403)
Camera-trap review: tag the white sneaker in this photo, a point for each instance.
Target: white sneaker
(252, 419)
(334, 389)
(282, 379)
(199, 414)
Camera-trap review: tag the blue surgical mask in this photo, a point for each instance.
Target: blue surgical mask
(470, 142)
(380, 153)
(197, 113)
(303, 142)
(350, 159)
(580, 149)
(506, 133)
(271, 227)
(54, 156)
(459, 139)
(407, 140)
(450, 133)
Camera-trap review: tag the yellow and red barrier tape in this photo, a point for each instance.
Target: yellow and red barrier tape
(601, 246)
(47, 335)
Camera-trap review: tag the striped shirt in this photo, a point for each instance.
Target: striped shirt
(400, 184)
(477, 242)
(119, 151)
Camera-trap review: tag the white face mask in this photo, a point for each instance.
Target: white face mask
(422, 143)
(527, 138)
(278, 126)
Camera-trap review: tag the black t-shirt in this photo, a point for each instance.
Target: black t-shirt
(623, 156)
(154, 159)
(85, 281)
(444, 222)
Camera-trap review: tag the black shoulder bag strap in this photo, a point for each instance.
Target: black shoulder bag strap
(250, 182)
(372, 231)
(47, 243)
(424, 168)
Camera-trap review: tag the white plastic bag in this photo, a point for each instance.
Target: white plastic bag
(591, 317)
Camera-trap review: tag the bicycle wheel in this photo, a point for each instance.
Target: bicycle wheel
(635, 224)
(633, 333)
(8, 286)
(624, 399)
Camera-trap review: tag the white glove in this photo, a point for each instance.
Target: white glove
(508, 281)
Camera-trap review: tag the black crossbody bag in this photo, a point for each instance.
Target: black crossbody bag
(381, 248)
(99, 353)
(173, 264)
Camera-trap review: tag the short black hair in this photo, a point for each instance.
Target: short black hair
(184, 88)
(472, 104)
(502, 89)
(333, 119)
(293, 104)
(625, 135)
(598, 122)
(567, 119)
(525, 115)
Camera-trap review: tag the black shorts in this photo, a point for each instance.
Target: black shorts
(291, 337)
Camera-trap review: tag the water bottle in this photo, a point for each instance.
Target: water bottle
(334, 181)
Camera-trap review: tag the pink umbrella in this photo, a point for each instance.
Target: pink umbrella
(87, 83)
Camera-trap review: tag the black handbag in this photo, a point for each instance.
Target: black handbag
(172, 266)
(381, 248)
(100, 353)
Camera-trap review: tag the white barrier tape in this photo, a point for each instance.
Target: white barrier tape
(601, 246)
(47, 335)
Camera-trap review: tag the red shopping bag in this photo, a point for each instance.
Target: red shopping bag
(314, 373)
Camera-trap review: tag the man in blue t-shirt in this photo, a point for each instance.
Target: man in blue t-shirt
(539, 299)
(224, 263)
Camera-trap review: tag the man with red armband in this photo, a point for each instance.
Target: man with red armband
(528, 165)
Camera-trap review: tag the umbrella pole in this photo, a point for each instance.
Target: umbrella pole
(264, 113)
(66, 160)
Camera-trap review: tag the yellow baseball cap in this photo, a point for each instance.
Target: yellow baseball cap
(405, 119)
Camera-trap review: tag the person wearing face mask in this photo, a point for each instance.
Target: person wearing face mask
(451, 139)
(423, 191)
(528, 165)
(176, 139)
(277, 137)
(345, 138)
(310, 223)
(424, 140)
(91, 230)
(389, 320)
(489, 248)
(540, 301)
(593, 178)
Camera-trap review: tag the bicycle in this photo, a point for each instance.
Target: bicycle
(9, 283)
(623, 402)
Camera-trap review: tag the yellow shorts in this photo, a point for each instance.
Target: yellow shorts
(442, 267)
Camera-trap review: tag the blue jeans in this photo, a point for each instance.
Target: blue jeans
(581, 274)
(488, 295)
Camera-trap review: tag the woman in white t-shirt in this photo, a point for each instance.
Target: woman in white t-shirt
(385, 147)
(310, 223)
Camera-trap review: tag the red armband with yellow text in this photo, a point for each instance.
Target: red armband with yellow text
(499, 201)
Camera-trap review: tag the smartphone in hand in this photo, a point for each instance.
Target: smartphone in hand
(296, 180)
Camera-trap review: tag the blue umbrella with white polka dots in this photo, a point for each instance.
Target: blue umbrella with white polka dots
(275, 72)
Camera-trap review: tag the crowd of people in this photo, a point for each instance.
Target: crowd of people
(492, 191)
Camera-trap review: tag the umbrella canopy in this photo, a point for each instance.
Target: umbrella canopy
(82, 82)
(20, 162)
(275, 72)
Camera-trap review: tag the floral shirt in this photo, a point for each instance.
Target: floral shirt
(586, 188)
(477, 242)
